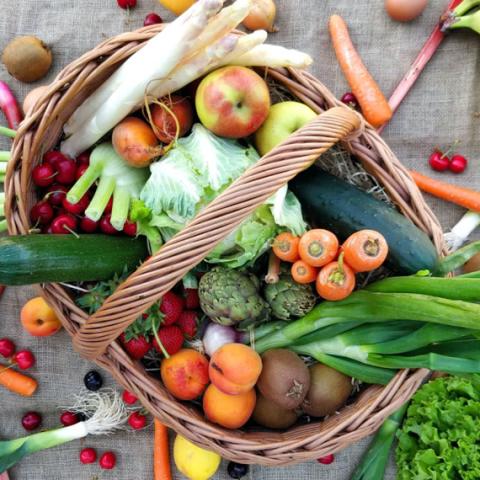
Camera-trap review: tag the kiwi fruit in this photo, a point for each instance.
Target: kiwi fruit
(285, 379)
(269, 414)
(329, 390)
(27, 59)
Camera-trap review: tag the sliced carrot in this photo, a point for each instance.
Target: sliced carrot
(161, 452)
(365, 250)
(302, 272)
(318, 247)
(17, 382)
(285, 247)
(336, 280)
(375, 107)
(465, 197)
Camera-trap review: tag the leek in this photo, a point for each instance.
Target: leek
(459, 234)
(7, 132)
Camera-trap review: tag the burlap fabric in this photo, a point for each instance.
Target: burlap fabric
(442, 108)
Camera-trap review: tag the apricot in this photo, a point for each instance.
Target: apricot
(39, 319)
(235, 368)
(185, 374)
(229, 411)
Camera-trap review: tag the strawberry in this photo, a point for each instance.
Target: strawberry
(172, 306)
(188, 323)
(137, 347)
(171, 337)
(192, 301)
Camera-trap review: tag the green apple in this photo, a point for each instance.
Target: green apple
(284, 119)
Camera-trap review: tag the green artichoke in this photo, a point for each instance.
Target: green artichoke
(230, 297)
(289, 299)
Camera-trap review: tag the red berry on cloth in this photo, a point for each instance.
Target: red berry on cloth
(136, 347)
(172, 306)
(108, 461)
(171, 338)
(129, 398)
(7, 347)
(350, 99)
(188, 323)
(458, 164)
(69, 418)
(88, 455)
(326, 460)
(31, 421)
(152, 19)
(137, 421)
(126, 4)
(439, 161)
(24, 359)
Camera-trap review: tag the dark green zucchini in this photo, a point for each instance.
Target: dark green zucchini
(30, 259)
(334, 204)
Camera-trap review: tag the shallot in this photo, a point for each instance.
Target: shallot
(216, 336)
(262, 16)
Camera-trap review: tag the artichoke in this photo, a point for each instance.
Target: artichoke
(289, 299)
(230, 297)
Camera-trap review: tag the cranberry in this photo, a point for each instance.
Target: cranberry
(458, 164)
(137, 420)
(41, 213)
(55, 194)
(88, 455)
(152, 19)
(81, 169)
(88, 226)
(106, 226)
(126, 4)
(438, 161)
(326, 460)
(69, 418)
(130, 229)
(7, 347)
(67, 170)
(108, 461)
(77, 208)
(350, 99)
(129, 398)
(84, 158)
(54, 157)
(43, 175)
(31, 421)
(108, 208)
(64, 223)
(24, 359)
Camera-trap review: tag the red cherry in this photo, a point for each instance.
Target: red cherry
(130, 229)
(137, 421)
(81, 169)
(87, 225)
(69, 418)
(108, 208)
(458, 164)
(43, 175)
(106, 226)
(326, 460)
(7, 347)
(84, 158)
(77, 208)
(152, 19)
(350, 99)
(129, 398)
(55, 194)
(67, 169)
(64, 224)
(108, 461)
(438, 161)
(88, 455)
(54, 157)
(24, 359)
(126, 4)
(41, 213)
(31, 421)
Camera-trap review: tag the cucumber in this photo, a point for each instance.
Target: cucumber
(31, 259)
(334, 204)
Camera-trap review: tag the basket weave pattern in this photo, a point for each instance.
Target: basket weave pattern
(95, 337)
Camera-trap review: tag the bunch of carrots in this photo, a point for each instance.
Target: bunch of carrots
(317, 256)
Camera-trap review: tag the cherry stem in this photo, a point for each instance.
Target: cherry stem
(73, 232)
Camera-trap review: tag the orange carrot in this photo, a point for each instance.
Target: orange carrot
(161, 453)
(375, 107)
(17, 382)
(465, 197)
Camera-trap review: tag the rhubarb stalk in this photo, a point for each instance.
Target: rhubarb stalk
(9, 106)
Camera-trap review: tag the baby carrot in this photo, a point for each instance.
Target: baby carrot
(375, 107)
(17, 382)
(285, 247)
(302, 272)
(161, 453)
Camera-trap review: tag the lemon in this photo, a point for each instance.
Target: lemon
(177, 6)
(194, 462)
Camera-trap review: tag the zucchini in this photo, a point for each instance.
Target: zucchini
(334, 204)
(30, 259)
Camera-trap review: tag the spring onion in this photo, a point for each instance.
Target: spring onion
(458, 258)
(7, 132)
(462, 17)
(459, 234)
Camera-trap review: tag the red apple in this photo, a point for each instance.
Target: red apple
(233, 102)
(163, 117)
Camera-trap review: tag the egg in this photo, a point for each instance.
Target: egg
(405, 10)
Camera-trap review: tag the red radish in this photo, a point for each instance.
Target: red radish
(53, 157)
(24, 359)
(67, 171)
(129, 398)
(88, 455)
(9, 106)
(64, 224)
(137, 421)
(7, 347)
(41, 213)
(126, 4)
(439, 161)
(135, 142)
(31, 421)
(84, 158)
(167, 113)
(55, 194)
(88, 226)
(77, 208)
(81, 169)
(350, 99)
(108, 208)
(130, 229)
(172, 306)
(69, 418)
(152, 19)
(458, 164)
(326, 460)
(43, 175)
(108, 461)
(106, 225)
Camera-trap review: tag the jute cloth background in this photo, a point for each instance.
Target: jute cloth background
(441, 109)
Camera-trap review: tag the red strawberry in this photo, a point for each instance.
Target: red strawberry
(192, 301)
(136, 347)
(188, 323)
(172, 306)
(171, 338)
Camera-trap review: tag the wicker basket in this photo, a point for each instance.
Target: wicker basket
(94, 337)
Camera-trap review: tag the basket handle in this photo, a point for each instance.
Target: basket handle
(190, 246)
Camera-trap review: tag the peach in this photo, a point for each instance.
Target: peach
(229, 411)
(235, 368)
(185, 374)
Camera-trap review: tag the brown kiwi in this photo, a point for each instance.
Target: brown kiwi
(269, 414)
(27, 59)
(285, 379)
(329, 390)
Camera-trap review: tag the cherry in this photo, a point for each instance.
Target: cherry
(67, 170)
(106, 226)
(54, 157)
(55, 194)
(81, 169)
(88, 455)
(77, 208)
(84, 158)
(350, 99)
(69, 418)
(327, 459)
(43, 175)
(126, 4)
(7, 347)
(438, 161)
(137, 420)
(458, 164)
(31, 421)
(152, 19)
(129, 398)
(130, 229)
(64, 223)
(41, 213)
(108, 208)
(87, 225)
(108, 461)
(24, 359)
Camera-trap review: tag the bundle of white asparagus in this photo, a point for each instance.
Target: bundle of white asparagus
(198, 41)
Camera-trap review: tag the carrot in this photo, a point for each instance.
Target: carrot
(318, 247)
(285, 247)
(465, 197)
(365, 250)
(161, 453)
(17, 382)
(336, 280)
(375, 107)
(274, 267)
(302, 272)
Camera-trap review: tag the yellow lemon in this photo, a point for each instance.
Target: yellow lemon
(177, 6)
(194, 462)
